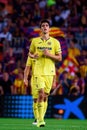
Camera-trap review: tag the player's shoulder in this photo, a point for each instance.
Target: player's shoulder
(54, 39)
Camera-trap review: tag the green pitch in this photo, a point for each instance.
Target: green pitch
(51, 124)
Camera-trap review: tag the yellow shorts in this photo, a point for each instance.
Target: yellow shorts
(44, 82)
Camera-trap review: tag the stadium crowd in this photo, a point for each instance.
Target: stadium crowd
(18, 21)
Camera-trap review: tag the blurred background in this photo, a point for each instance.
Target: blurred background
(19, 23)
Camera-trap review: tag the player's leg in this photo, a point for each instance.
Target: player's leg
(48, 86)
(41, 108)
(40, 86)
(45, 104)
(34, 93)
(35, 111)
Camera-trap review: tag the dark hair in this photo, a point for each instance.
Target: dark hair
(44, 21)
(78, 74)
(74, 40)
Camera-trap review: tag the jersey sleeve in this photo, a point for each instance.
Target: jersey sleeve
(57, 47)
(29, 62)
(32, 48)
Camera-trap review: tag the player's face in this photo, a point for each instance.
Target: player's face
(45, 28)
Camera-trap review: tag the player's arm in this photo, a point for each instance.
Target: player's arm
(26, 74)
(57, 57)
(33, 55)
(27, 70)
(54, 92)
(54, 82)
(58, 52)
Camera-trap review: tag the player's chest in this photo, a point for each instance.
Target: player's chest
(44, 45)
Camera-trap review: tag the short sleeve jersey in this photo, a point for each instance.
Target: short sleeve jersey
(31, 62)
(44, 65)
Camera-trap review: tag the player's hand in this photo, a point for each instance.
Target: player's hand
(26, 82)
(33, 55)
(36, 56)
(54, 85)
(46, 52)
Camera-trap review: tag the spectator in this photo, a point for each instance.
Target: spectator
(6, 84)
(74, 89)
(58, 90)
(7, 37)
(83, 18)
(78, 7)
(81, 36)
(19, 87)
(1, 71)
(73, 51)
(83, 68)
(36, 12)
(65, 14)
(9, 60)
(81, 83)
(3, 12)
(56, 18)
(65, 82)
(81, 57)
(69, 33)
(1, 90)
(1, 23)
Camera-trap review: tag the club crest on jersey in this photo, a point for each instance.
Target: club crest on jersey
(49, 43)
(40, 42)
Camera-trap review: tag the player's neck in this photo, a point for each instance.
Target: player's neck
(45, 36)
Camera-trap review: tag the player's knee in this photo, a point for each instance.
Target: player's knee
(35, 100)
(45, 97)
(41, 95)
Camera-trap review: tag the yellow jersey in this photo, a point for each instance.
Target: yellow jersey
(73, 52)
(44, 65)
(31, 62)
(83, 70)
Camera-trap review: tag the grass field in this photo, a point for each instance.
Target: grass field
(51, 124)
